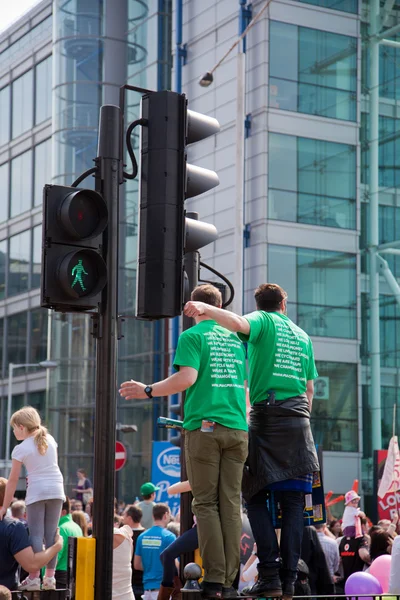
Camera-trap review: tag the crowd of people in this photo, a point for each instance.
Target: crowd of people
(240, 450)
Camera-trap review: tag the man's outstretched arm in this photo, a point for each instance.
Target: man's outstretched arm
(225, 318)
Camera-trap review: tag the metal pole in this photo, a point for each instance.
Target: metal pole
(239, 209)
(375, 403)
(107, 183)
(191, 263)
(9, 407)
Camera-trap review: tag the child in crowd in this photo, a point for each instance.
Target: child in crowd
(351, 524)
(45, 488)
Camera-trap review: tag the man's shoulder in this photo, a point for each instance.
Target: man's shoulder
(11, 526)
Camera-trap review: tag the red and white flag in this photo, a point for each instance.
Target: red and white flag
(390, 481)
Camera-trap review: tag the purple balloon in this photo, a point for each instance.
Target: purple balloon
(362, 583)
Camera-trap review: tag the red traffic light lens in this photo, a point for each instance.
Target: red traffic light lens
(83, 214)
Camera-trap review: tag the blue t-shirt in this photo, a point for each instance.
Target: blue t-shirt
(149, 546)
(13, 538)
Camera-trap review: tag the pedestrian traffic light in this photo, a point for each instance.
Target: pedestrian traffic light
(73, 269)
(166, 180)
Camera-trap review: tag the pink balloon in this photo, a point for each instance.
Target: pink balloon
(380, 568)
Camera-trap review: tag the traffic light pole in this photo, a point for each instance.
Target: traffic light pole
(106, 332)
(191, 264)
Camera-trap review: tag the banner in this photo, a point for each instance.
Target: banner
(166, 470)
(390, 481)
(389, 504)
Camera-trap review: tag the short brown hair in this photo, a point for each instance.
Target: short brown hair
(269, 296)
(208, 294)
(3, 483)
(134, 512)
(159, 511)
(5, 593)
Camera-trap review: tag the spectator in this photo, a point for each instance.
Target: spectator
(174, 527)
(76, 505)
(149, 546)
(132, 517)
(330, 549)
(314, 557)
(84, 489)
(5, 593)
(335, 527)
(15, 548)
(18, 511)
(122, 559)
(354, 554)
(381, 543)
(68, 528)
(78, 516)
(148, 492)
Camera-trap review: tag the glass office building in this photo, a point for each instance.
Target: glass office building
(306, 203)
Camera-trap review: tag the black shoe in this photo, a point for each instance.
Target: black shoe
(266, 587)
(288, 590)
(211, 590)
(229, 592)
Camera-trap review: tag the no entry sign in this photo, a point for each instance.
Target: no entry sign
(120, 456)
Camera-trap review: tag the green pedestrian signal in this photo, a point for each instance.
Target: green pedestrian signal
(74, 271)
(79, 270)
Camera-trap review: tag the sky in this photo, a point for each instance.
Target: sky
(11, 10)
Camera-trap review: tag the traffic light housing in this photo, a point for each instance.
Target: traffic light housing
(74, 272)
(166, 180)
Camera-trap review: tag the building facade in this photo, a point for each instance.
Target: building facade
(304, 172)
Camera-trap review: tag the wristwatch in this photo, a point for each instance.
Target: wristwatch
(148, 391)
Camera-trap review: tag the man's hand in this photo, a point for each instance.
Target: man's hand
(195, 309)
(3, 512)
(131, 390)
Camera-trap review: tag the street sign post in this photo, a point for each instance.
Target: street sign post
(120, 456)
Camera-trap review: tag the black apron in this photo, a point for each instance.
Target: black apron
(281, 445)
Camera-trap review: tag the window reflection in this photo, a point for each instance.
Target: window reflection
(38, 346)
(22, 104)
(21, 183)
(3, 268)
(19, 267)
(312, 181)
(334, 418)
(4, 190)
(43, 87)
(4, 115)
(16, 338)
(42, 170)
(349, 6)
(321, 287)
(313, 71)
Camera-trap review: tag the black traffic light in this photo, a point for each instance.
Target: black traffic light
(73, 270)
(166, 180)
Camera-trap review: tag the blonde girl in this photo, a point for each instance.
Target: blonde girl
(44, 488)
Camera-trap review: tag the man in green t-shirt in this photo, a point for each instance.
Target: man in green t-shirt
(282, 453)
(211, 368)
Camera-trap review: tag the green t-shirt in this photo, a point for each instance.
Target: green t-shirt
(281, 356)
(220, 361)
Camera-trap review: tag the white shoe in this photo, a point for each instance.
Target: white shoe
(30, 585)
(49, 583)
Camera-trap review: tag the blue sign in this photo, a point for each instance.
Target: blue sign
(166, 470)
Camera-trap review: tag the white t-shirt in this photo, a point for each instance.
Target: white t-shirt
(44, 480)
(349, 517)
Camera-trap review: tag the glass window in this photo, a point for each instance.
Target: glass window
(389, 331)
(4, 187)
(20, 258)
(1, 348)
(16, 338)
(312, 181)
(38, 400)
(21, 183)
(42, 170)
(43, 90)
(321, 288)
(389, 151)
(334, 418)
(3, 269)
(4, 115)
(38, 349)
(349, 6)
(36, 256)
(313, 71)
(22, 107)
